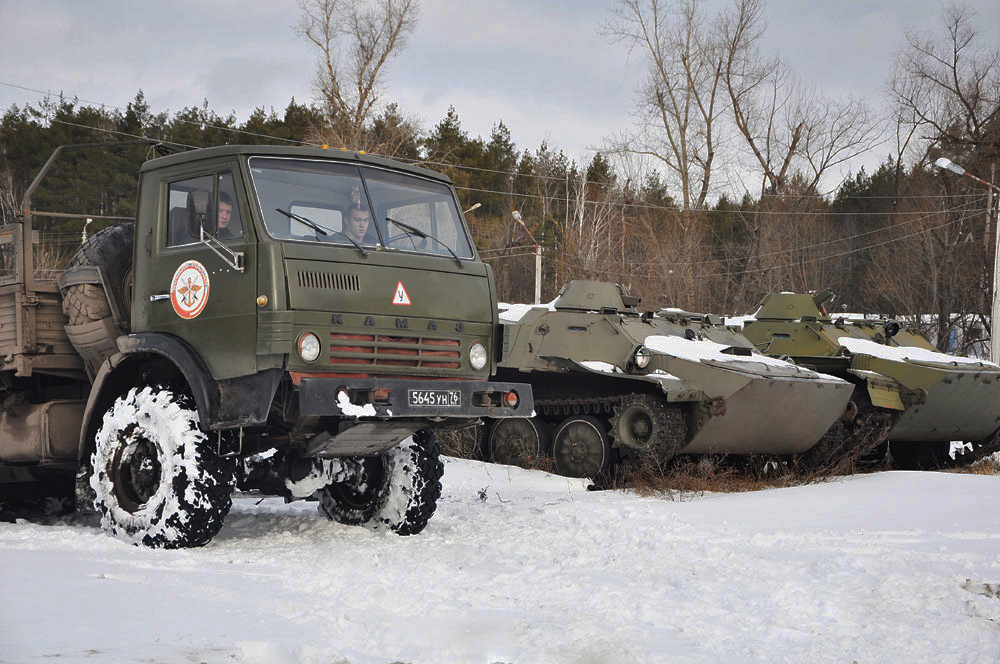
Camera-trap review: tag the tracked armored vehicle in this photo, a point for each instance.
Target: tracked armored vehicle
(611, 383)
(918, 399)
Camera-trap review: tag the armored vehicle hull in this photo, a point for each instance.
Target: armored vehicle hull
(610, 383)
(931, 398)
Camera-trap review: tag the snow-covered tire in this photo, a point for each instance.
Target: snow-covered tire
(398, 491)
(159, 480)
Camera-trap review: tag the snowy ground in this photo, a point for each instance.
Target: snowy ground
(521, 566)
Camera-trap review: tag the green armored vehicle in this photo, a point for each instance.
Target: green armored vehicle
(296, 320)
(927, 398)
(611, 382)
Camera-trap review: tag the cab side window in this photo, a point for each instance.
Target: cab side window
(228, 212)
(189, 204)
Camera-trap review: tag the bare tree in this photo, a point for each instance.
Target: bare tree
(946, 91)
(356, 39)
(678, 101)
(10, 205)
(948, 88)
(786, 127)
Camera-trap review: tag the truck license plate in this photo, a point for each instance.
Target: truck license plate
(435, 398)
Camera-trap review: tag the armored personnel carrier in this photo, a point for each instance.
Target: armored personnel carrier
(927, 398)
(610, 382)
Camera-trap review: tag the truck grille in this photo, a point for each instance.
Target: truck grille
(329, 281)
(394, 351)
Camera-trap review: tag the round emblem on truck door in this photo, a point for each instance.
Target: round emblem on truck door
(189, 289)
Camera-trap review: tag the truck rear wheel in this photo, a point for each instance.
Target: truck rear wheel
(397, 491)
(159, 480)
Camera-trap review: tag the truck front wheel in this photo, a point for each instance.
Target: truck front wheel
(397, 491)
(159, 480)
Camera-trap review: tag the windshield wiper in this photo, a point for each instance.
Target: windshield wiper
(410, 230)
(322, 229)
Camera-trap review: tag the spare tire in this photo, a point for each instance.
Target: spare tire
(97, 294)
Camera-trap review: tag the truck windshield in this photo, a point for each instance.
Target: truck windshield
(355, 201)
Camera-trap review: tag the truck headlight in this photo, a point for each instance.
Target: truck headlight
(477, 356)
(642, 357)
(308, 347)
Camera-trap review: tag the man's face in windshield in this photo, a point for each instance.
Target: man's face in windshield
(357, 224)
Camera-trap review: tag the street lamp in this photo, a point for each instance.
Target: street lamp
(538, 257)
(949, 165)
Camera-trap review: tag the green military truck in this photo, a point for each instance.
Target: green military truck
(915, 400)
(292, 320)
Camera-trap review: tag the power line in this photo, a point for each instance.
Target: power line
(511, 174)
(202, 125)
(518, 246)
(122, 133)
(786, 265)
(846, 238)
(641, 206)
(637, 206)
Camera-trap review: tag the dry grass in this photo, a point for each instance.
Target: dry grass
(988, 466)
(686, 476)
(731, 474)
(461, 443)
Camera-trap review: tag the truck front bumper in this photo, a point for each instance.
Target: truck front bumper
(401, 398)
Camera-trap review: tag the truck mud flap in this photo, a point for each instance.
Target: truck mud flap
(362, 439)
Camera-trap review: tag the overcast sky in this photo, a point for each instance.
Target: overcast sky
(541, 67)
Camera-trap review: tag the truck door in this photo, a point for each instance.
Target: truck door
(200, 290)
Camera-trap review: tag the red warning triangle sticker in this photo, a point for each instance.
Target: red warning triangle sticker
(401, 297)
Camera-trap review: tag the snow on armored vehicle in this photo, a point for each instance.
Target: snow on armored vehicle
(296, 319)
(927, 398)
(610, 382)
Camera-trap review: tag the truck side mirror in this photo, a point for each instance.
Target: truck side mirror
(200, 213)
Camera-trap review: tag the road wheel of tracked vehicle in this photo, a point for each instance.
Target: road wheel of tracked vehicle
(580, 447)
(158, 479)
(397, 491)
(517, 441)
(636, 423)
(920, 455)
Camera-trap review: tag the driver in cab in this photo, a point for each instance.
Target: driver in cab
(356, 223)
